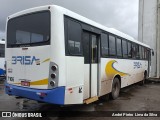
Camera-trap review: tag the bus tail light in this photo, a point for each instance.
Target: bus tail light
(52, 83)
(54, 68)
(53, 76)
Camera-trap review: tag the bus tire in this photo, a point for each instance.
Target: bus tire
(115, 89)
(144, 79)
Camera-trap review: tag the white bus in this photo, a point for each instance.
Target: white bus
(56, 56)
(2, 61)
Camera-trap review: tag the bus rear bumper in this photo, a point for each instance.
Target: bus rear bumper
(54, 96)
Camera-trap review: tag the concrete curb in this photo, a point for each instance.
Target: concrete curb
(153, 80)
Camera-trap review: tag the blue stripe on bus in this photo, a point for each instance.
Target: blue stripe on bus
(54, 96)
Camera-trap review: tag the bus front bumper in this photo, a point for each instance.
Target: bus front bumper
(54, 96)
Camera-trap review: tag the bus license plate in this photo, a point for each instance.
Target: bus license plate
(25, 83)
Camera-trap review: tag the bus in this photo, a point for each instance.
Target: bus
(56, 56)
(2, 61)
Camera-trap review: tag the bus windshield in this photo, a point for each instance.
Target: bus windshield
(32, 29)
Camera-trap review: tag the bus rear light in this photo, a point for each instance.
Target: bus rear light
(52, 83)
(53, 76)
(54, 68)
(42, 94)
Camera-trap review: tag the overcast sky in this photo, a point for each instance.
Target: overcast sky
(118, 14)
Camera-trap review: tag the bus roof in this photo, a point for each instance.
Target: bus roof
(80, 18)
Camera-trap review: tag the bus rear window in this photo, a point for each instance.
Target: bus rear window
(32, 29)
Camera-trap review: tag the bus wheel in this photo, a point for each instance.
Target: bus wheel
(115, 88)
(144, 79)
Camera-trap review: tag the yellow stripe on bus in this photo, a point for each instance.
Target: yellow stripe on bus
(111, 71)
(46, 60)
(38, 82)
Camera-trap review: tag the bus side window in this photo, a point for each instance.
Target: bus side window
(143, 53)
(148, 54)
(133, 51)
(140, 52)
(104, 45)
(124, 46)
(137, 51)
(119, 47)
(112, 45)
(74, 38)
(129, 50)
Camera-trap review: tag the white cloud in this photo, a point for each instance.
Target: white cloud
(119, 14)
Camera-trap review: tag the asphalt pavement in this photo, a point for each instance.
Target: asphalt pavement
(132, 98)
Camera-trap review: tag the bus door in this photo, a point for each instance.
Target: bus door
(90, 51)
